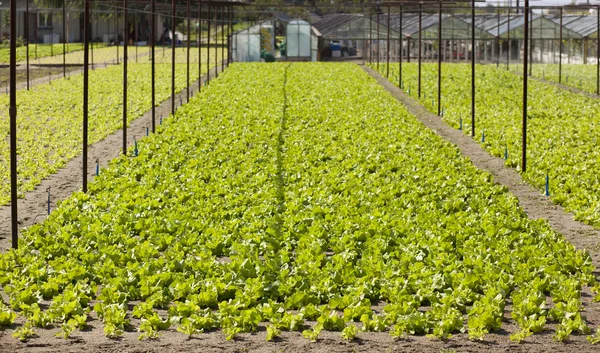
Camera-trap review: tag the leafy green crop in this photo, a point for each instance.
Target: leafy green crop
(578, 76)
(43, 50)
(49, 117)
(289, 193)
(562, 128)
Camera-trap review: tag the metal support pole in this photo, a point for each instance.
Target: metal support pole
(598, 52)
(525, 78)
(408, 49)
(401, 50)
(173, 41)
(27, 40)
(208, 47)
(498, 42)
(189, 33)
(370, 38)
(387, 48)
(86, 59)
(230, 52)
(216, 47)
(508, 46)
(199, 46)
(13, 124)
(378, 39)
(223, 26)
(64, 12)
(229, 45)
(92, 37)
(473, 68)
(560, 47)
(419, 57)
(125, 39)
(152, 56)
(439, 91)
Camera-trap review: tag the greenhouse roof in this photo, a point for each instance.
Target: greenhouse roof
(541, 26)
(586, 26)
(453, 27)
(352, 26)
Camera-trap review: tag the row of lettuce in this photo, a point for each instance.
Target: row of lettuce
(580, 76)
(260, 203)
(49, 119)
(563, 127)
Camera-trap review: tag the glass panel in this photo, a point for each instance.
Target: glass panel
(304, 40)
(254, 47)
(315, 45)
(242, 47)
(292, 40)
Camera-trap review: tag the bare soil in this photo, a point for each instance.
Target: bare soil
(534, 203)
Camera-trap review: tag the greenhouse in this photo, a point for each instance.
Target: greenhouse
(260, 42)
(353, 35)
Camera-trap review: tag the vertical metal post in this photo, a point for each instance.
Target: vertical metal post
(230, 46)
(199, 46)
(208, 46)
(229, 34)
(408, 48)
(86, 58)
(598, 52)
(377, 39)
(125, 39)
(473, 68)
(223, 26)
(173, 41)
(560, 47)
(216, 47)
(525, 78)
(498, 42)
(439, 33)
(508, 46)
(401, 50)
(92, 37)
(64, 12)
(13, 124)
(387, 47)
(27, 40)
(370, 37)
(152, 56)
(189, 33)
(420, 37)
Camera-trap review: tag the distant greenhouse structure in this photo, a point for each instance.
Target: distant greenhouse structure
(498, 36)
(353, 35)
(277, 39)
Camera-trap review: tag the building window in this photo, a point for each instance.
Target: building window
(45, 20)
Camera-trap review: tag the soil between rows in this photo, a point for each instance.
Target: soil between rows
(534, 203)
